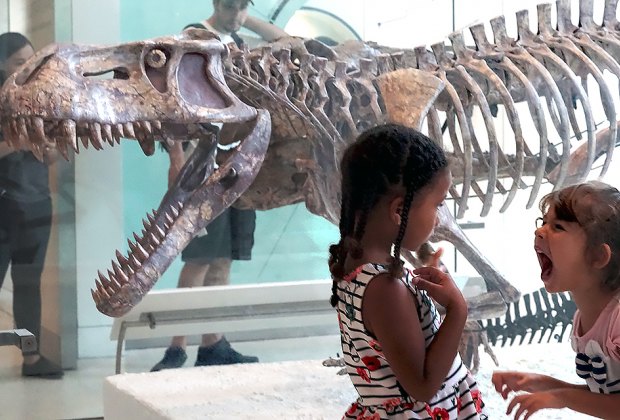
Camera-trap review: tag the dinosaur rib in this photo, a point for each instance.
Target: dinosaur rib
(466, 58)
(568, 47)
(498, 59)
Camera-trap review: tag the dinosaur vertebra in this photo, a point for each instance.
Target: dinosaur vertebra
(319, 100)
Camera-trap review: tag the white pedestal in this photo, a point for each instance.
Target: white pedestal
(286, 390)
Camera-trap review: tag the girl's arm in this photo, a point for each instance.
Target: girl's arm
(581, 400)
(390, 313)
(506, 382)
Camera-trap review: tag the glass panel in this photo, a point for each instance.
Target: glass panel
(37, 213)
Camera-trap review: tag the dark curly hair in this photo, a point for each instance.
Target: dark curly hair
(595, 206)
(381, 158)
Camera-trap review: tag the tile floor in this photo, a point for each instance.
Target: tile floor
(79, 394)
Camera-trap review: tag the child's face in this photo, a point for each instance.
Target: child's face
(561, 250)
(423, 211)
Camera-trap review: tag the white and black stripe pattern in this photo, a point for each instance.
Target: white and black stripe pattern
(380, 393)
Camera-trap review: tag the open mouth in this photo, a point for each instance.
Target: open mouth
(546, 264)
(187, 207)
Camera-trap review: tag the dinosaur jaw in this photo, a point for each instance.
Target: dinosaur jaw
(200, 193)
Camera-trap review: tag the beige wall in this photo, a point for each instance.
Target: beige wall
(33, 18)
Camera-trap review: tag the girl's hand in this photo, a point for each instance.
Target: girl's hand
(528, 404)
(440, 287)
(506, 382)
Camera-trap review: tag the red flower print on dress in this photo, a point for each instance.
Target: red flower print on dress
(477, 398)
(440, 414)
(363, 374)
(428, 410)
(352, 409)
(371, 362)
(392, 404)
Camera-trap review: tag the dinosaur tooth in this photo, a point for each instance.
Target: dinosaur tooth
(61, 146)
(147, 128)
(95, 135)
(106, 131)
(69, 133)
(134, 262)
(120, 274)
(128, 130)
(154, 240)
(118, 132)
(38, 126)
(96, 297)
(132, 248)
(113, 283)
(160, 232)
(121, 259)
(141, 252)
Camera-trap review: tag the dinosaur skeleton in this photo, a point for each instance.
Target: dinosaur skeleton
(319, 100)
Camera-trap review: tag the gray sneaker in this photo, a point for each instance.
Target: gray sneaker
(221, 353)
(173, 358)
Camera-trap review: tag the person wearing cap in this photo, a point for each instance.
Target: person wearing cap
(208, 257)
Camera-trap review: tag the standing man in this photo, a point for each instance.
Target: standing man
(230, 236)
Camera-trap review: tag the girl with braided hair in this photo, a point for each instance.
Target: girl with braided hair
(401, 358)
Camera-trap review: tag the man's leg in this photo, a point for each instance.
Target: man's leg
(192, 275)
(215, 349)
(217, 274)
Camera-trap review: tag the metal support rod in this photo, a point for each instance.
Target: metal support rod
(20, 338)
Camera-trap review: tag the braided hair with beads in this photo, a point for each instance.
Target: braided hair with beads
(381, 158)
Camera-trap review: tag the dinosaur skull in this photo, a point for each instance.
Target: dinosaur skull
(155, 89)
(167, 89)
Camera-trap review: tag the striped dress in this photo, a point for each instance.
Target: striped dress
(381, 396)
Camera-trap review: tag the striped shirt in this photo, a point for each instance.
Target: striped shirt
(598, 349)
(381, 395)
